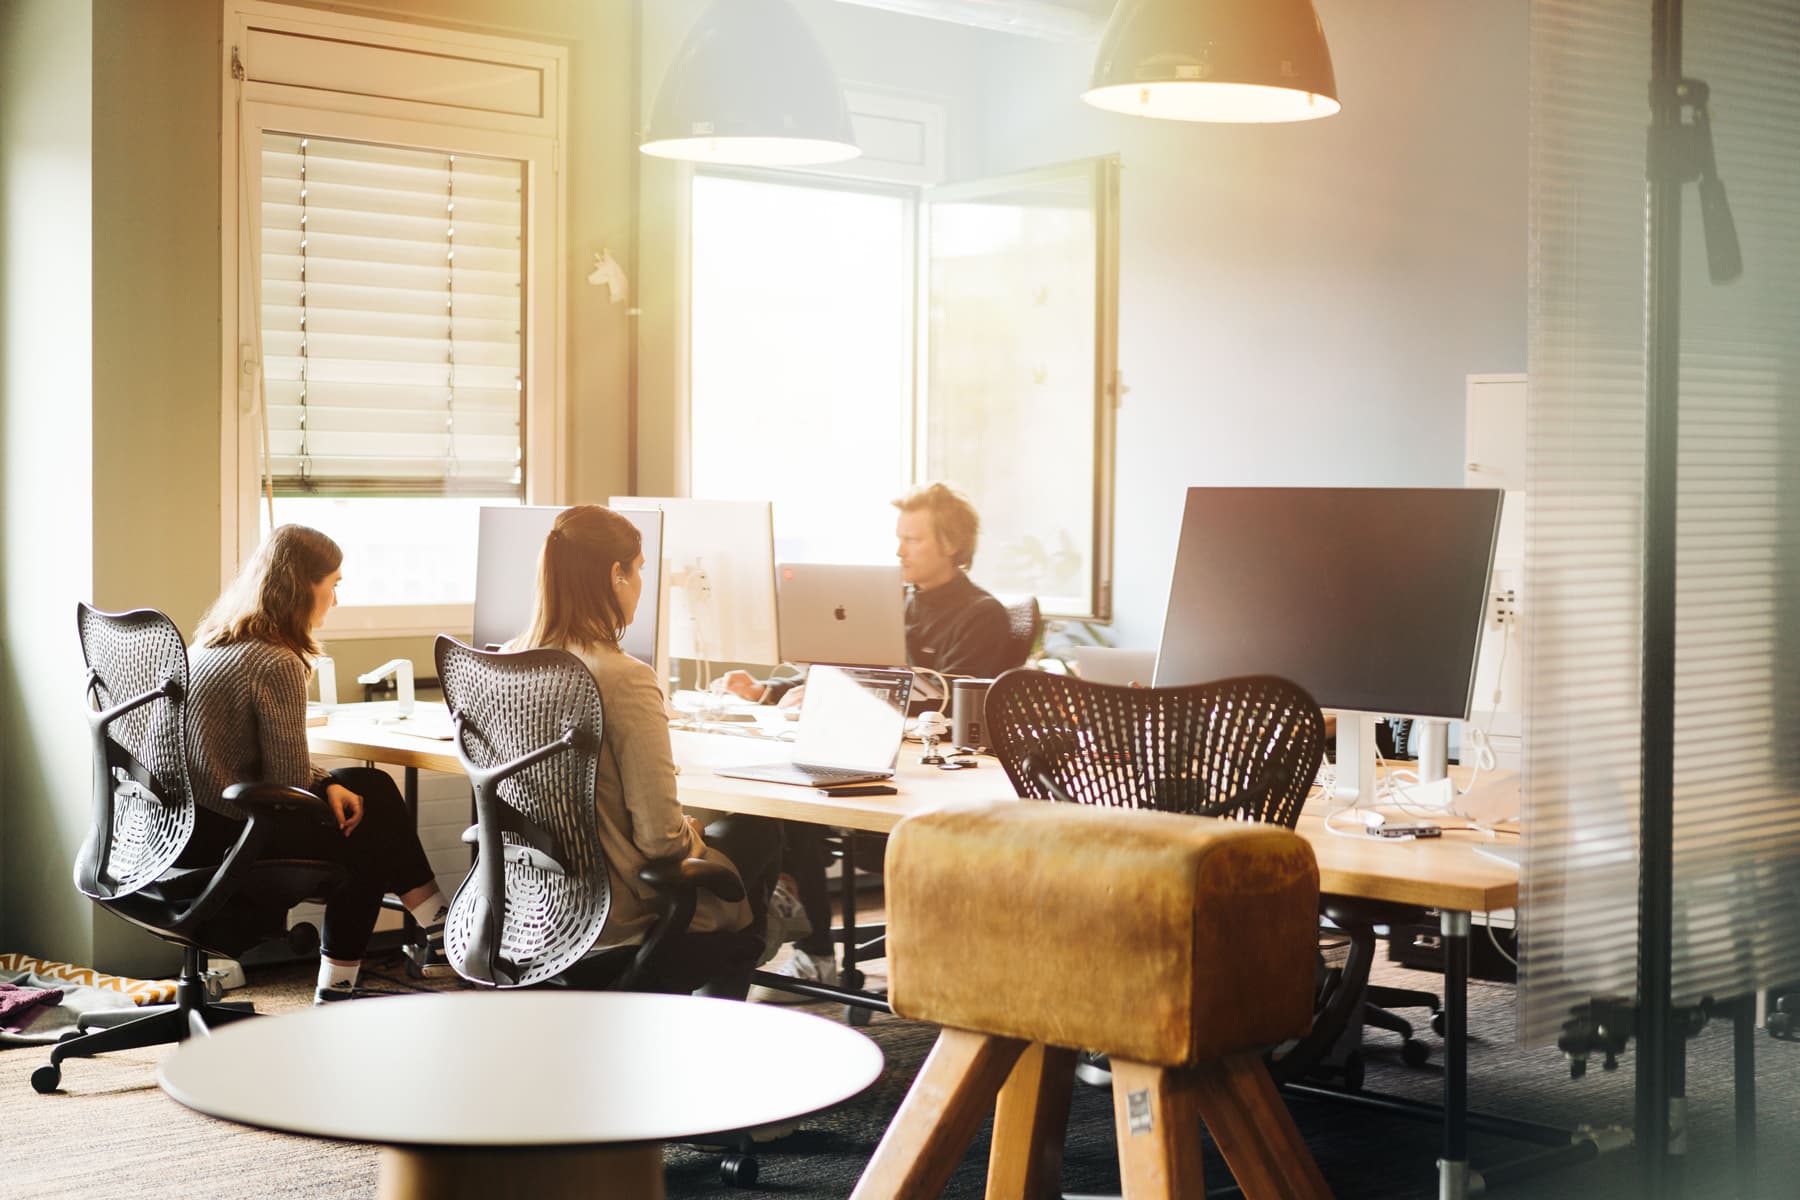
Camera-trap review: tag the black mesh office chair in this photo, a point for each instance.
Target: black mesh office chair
(1027, 622)
(1246, 748)
(528, 729)
(143, 816)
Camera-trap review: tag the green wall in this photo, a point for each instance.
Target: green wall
(46, 435)
(110, 355)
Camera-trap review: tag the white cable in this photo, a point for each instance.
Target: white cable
(943, 686)
(1499, 949)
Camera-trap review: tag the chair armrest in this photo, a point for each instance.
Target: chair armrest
(668, 874)
(259, 799)
(267, 806)
(677, 881)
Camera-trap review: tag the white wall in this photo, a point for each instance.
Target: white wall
(46, 469)
(1299, 304)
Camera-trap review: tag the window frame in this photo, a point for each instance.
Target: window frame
(254, 105)
(1102, 175)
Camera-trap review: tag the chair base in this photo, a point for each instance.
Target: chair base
(192, 1012)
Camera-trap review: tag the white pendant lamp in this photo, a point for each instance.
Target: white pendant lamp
(1215, 60)
(750, 87)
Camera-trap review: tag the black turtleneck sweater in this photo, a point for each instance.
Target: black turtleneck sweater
(959, 629)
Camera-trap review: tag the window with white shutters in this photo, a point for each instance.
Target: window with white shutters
(394, 297)
(391, 320)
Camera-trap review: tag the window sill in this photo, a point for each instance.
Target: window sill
(398, 620)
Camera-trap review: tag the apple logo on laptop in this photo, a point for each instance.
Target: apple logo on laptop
(838, 612)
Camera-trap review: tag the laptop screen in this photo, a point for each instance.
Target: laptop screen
(852, 717)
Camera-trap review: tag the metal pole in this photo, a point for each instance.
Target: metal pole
(1662, 432)
(1743, 1046)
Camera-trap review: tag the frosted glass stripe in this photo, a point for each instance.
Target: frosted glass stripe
(1737, 815)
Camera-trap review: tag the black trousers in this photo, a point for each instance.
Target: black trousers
(754, 845)
(381, 855)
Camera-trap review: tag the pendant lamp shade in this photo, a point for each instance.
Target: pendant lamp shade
(1215, 60)
(750, 86)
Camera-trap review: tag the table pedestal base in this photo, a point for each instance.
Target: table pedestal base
(481, 1173)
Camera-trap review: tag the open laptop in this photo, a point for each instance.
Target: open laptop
(1111, 664)
(838, 613)
(851, 722)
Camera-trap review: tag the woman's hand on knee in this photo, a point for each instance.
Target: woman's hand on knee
(347, 805)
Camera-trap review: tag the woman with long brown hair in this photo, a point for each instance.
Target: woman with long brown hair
(589, 583)
(247, 724)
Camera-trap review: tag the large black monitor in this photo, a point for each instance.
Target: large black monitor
(506, 562)
(1372, 599)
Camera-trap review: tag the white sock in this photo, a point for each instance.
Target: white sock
(338, 975)
(431, 910)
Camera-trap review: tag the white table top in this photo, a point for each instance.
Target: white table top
(522, 1069)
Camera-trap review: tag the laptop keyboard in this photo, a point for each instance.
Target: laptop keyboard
(830, 773)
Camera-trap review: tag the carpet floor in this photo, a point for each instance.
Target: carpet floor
(112, 1131)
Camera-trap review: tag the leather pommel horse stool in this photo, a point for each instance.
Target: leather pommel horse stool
(1182, 947)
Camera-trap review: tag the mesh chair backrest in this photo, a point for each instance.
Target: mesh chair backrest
(143, 803)
(1246, 748)
(1026, 621)
(509, 705)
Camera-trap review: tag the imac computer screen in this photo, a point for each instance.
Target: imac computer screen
(506, 565)
(719, 562)
(1372, 599)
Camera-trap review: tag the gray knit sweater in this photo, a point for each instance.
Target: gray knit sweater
(247, 721)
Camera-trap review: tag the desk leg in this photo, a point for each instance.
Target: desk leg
(1453, 1166)
(850, 977)
(409, 793)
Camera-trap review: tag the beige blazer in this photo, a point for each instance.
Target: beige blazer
(634, 790)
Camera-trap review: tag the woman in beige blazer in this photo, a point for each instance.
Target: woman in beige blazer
(589, 582)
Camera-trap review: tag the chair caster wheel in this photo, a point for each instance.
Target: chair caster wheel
(1414, 1053)
(738, 1170)
(46, 1079)
(1437, 1022)
(857, 1015)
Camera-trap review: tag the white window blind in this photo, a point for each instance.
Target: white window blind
(391, 316)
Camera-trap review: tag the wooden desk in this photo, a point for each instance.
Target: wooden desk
(1442, 873)
(591, 1083)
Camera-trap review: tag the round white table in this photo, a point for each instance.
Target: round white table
(532, 1093)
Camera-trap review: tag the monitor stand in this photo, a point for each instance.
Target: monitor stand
(1433, 738)
(1353, 781)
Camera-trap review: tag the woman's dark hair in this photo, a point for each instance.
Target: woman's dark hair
(271, 600)
(577, 604)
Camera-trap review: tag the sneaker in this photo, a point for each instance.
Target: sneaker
(787, 919)
(341, 991)
(803, 967)
(358, 991)
(425, 957)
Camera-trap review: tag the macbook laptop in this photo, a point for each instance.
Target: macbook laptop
(837, 613)
(851, 722)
